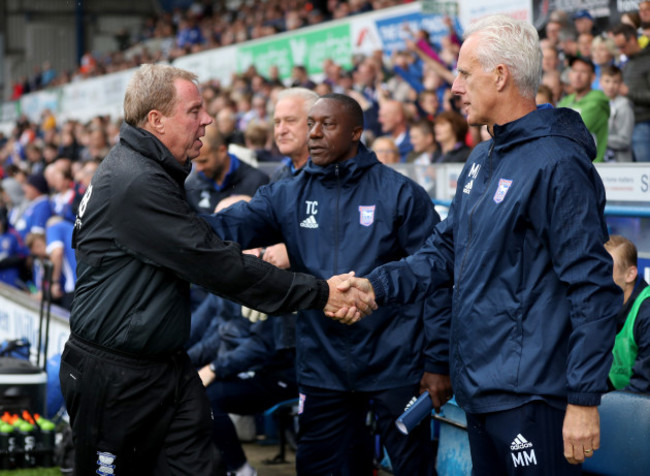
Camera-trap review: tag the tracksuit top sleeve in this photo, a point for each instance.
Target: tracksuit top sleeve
(188, 247)
(575, 235)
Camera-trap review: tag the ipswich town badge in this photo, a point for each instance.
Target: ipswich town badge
(502, 189)
(367, 215)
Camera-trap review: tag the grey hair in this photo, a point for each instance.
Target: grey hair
(515, 43)
(308, 97)
(152, 87)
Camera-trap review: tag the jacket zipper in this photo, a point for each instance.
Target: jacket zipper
(338, 271)
(336, 219)
(471, 215)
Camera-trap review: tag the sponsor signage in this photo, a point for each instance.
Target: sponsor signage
(472, 10)
(626, 182)
(307, 49)
(392, 31)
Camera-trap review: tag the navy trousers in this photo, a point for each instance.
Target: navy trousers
(526, 440)
(334, 437)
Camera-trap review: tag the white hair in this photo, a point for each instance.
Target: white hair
(308, 96)
(515, 43)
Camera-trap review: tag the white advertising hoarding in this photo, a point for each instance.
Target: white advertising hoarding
(472, 10)
(626, 182)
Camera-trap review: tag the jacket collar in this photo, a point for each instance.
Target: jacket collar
(545, 121)
(149, 146)
(345, 171)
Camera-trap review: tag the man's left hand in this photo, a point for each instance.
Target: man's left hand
(581, 433)
(439, 388)
(278, 256)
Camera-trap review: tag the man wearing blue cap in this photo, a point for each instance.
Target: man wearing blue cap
(583, 22)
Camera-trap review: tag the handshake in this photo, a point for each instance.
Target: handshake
(350, 298)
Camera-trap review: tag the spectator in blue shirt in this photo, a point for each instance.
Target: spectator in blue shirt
(38, 210)
(55, 245)
(11, 254)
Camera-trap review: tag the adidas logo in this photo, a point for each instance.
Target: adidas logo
(309, 222)
(522, 457)
(520, 443)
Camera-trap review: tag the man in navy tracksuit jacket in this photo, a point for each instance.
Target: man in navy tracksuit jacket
(534, 303)
(346, 211)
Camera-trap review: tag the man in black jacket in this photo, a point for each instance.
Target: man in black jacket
(136, 404)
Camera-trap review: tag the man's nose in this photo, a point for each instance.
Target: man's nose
(316, 130)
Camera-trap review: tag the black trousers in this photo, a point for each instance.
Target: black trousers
(523, 441)
(133, 416)
(333, 433)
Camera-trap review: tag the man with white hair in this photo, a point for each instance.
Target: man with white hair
(290, 129)
(534, 304)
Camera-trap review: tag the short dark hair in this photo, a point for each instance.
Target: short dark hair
(351, 106)
(584, 60)
(611, 70)
(425, 125)
(624, 29)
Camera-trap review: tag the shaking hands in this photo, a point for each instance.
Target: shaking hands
(350, 298)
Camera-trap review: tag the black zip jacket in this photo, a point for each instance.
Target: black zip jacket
(139, 246)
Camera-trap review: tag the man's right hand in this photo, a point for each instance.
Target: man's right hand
(349, 301)
(354, 298)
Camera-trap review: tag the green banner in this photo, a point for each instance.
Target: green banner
(307, 49)
(440, 7)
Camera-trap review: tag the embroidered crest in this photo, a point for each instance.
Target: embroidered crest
(502, 189)
(367, 215)
(105, 463)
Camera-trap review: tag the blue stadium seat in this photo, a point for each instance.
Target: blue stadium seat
(624, 445)
(625, 436)
(277, 420)
(453, 458)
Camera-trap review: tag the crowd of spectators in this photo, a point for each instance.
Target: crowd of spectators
(204, 25)
(604, 75)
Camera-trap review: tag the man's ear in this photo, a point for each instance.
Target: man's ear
(155, 120)
(502, 75)
(631, 274)
(356, 133)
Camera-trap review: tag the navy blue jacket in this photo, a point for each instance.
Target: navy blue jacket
(352, 215)
(203, 193)
(232, 344)
(217, 324)
(534, 303)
